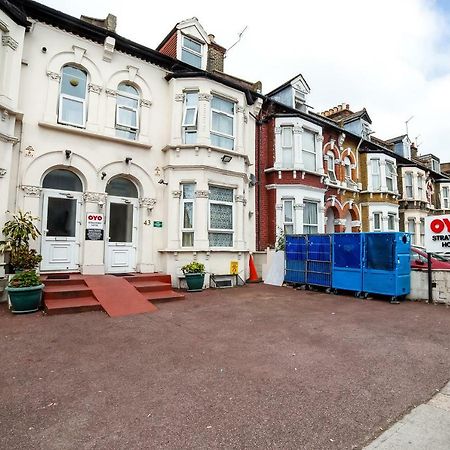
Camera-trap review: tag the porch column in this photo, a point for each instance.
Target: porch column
(148, 236)
(201, 238)
(173, 226)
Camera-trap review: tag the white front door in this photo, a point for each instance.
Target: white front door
(121, 234)
(61, 223)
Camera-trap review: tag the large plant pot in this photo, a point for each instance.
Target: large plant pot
(25, 299)
(195, 281)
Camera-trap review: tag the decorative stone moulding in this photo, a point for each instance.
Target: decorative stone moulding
(202, 96)
(202, 194)
(147, 202)
(31, 191)
(108, 48)
(176, 194)
(29, 151)
(94, 197)
(4, 115)
(111, 92)
(240, 109)
(8, 41)
(179, 97)
(146, 103)
(94, 88)
(2, 172)
(54, 76)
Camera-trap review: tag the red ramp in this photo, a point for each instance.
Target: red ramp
(117, 296)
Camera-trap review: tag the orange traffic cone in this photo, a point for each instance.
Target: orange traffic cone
(254, 278)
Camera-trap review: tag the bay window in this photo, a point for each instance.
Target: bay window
(409, 185)
(222, 122)
(391, 221)
(190, 114)
(445, 197)
(287, 147)
(309, 150)
(376, 221)
(376, 174)
(390, 176)
(310, 217)
(288, 216)
(187, 218)
(72, 97)
(127, 108)
(220, 216)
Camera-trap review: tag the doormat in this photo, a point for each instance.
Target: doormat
(122, 274)
(58, 276)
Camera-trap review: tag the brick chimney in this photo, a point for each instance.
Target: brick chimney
(216, 55)
(110, 23)
(338, 112)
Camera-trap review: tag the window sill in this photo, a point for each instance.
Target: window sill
(93, 134)
(209, 250)
(275, 169)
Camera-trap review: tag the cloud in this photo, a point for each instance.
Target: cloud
(388, 56)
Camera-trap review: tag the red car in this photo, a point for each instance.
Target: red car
(419, 260)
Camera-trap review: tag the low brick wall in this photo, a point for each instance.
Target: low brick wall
(441, 285)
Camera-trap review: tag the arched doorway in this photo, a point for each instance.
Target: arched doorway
(61, 218)
(121, 232)
(329, 224)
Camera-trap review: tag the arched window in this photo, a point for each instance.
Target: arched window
(348, 168)
(72, 97)
(331, 172)
(127, 108)
(122, 187)
(62, 179)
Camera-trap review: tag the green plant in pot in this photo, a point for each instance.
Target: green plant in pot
(24, 288)
(195, 276)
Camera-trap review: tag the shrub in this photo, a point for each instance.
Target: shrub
(193, 267)
(28, 278)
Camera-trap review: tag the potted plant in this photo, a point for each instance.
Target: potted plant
(24, 288)
(195, 276)
(25, 292)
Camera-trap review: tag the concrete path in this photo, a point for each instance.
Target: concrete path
(426, 427)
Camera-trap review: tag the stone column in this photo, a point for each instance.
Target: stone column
(240, 208)
(278, 157)
(278, 220)
(204, 118)
(9, 46)
(93, 107)
(177, 119)
(297, 148)
(298, 217)
(110, 112)
(201, 239)
(148, 236)
(144, 120)
(173, 225)
(239, 147)
(319, 153)
(52, 101)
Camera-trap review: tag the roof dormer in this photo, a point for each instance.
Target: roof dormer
(293, 93)
(189, 42)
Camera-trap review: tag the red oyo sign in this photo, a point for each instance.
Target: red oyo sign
(437, 233)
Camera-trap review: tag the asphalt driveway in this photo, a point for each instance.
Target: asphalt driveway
(253, 367)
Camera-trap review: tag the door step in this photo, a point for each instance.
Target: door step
(72, 305)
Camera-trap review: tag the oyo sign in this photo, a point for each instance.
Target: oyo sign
(94, 221)
(437, 234)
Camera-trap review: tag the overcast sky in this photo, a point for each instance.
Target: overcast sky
(390, 56)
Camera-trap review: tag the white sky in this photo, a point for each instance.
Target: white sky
(390, 56)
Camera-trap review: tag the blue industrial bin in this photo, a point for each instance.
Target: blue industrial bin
(386, 268)
(295, 256)
(319, 260)
(348, 261)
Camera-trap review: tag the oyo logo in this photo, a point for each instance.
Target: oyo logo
(439, 225)
(93, 217)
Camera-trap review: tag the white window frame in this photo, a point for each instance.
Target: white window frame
(314, 134)
(73, 98)
(284, 149)
(380, 215)
(121, 126)
(422, 231)
(413, 232)
(221, 230)
(391, 175)
(348, 176)
(331, 167)
(183, 229)
(189, 127)
(375, 163)
(316, 225)
(233, 116)
(409, 186)
(286, 223)
(445, 198)
(435, 166)
(392, 216)
(420, 186)
(189, 50)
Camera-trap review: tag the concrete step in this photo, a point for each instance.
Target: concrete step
(66, 292)
(150, 286)
(163, 278)
(163, 296)
(71, 305)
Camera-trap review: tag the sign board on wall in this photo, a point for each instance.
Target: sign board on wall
(437, 234)
(94, 226)
(234, 267)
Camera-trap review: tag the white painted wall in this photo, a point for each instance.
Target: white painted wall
(419, 286)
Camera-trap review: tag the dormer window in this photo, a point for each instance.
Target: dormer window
(191, 52)
(366, 131)
(435, 166)
(299, 100)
